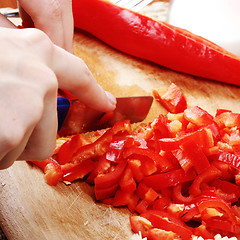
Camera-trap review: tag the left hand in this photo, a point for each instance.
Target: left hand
(54, 17)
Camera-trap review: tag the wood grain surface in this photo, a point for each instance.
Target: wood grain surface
(30, 209)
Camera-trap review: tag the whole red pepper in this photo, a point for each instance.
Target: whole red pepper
(158, 42)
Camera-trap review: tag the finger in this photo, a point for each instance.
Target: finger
(67, 21)
(15, 127)
(74, 76)
(46, 16)
(41, 143)
(9, 157)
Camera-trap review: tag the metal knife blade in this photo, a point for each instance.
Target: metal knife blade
(75, 115)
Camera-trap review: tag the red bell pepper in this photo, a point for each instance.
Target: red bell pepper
(191, 175)
(163, 163)
(231, 159)
(196, 155)
(122, 198)
(223, 225)
(52, 170)
(212, 202)
(140, 224)
(73, 172)
(67, 150)
(183, 160)
(178, 196)
(191, 212)
(116, 147)
(227, 190)
(167, 222)
(100, 146)
(202, 137)
(198, 116)
(156, 41)
(106, 184)
(168, 179)
(203, 232)
(159, 234)
(127, 182)
(171, 98)
(208, 175)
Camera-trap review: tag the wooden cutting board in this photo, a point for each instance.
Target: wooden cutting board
(30, 209)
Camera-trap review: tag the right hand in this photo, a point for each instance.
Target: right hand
(32, 69)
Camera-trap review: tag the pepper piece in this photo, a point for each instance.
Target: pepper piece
(156, 41)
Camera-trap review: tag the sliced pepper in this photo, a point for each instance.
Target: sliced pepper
(171, 98)
(168, 179)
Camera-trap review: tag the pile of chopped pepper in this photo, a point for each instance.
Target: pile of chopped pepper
(180, 173)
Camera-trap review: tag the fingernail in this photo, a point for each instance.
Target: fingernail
(111, 98)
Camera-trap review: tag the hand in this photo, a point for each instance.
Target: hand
(54, 17)
(32, 69)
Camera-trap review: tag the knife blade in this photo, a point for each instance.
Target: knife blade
(134, 109)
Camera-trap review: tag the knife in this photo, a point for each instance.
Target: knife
(134, 109)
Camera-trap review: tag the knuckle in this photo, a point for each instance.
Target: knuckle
(37, 37)
(10, 139)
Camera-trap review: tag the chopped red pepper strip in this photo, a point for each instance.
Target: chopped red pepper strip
(230, 158)
(171, 98)
(196, 155)
(73, 172)
(208, 175)
(198, 116)
(168, 179)
(212, 202)
(100, 146)
(160, 162)
(68, 149)
(168, 222)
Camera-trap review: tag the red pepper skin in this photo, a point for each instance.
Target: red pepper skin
(198, 116)
(140, 224)
(68, 149)
(178, 197)
(172, 98)
(201, 137)
(127, 182)
(191, 212)
(208, 175)
(167, 222)
(223, 225)
(106, 185)
(169, 179)
(229, 191)
(230, 158)
(196, 155)
(212, 202)
(52, 170)
(159, 234)
(203, 232)
(100, 146)
(163, 163)
(73, 172)
(158, 42)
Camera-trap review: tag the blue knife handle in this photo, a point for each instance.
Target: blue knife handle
(63, 105)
